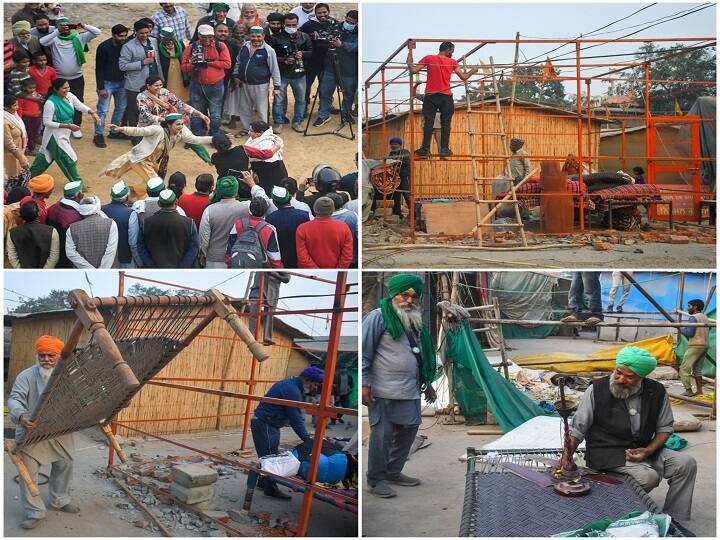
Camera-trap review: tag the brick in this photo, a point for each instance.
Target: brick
(614, 240)
(602, 246)
(679, 239)
(192, 475)
(705, 240)
(192, 495)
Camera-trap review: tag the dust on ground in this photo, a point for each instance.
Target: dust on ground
(301, 154)
(685, 247)
(97, 495)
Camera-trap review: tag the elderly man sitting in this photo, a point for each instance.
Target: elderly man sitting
(24, 397)
(625, 419)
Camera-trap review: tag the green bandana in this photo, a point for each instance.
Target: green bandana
(396, 285)
(77, 45)
(226, 187)
(63, 110)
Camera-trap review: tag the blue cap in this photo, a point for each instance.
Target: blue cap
(395, 140)
(315, 374)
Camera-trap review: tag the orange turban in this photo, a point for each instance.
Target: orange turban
(49, 344)
(41, 183)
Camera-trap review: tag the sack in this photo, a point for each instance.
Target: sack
(284, 464)
(248, 250)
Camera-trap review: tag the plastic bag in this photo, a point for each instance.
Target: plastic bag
(284, 464)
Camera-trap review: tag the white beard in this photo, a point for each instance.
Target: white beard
(411, 319)
(625, 391)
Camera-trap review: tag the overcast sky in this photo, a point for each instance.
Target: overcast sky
(36, 283)
(386, 26)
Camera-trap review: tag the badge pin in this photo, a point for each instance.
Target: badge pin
(632, 412)
(416, 350)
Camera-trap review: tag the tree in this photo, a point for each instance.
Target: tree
(56, 299)
(529, 87)
(696, 65)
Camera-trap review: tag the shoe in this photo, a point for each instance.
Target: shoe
(572, 317)
(99, 141)
(347, 118)
(619, 309)
(118, 136)
(422, 152)
(689, 393)
(70, 509)
(277, 494)
(321, 121)
(30, 523)
(277, 128)
(298, 127)
(77, 134)
(403, 480)
(594, 318)
(381, 489)
(286, 120)
(240, 134)
(445, 152)
(610, 308)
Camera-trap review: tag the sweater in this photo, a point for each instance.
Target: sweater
(258, 68)
(92, 242)
(324, 243)
(218, 57)
(194, 205)
(120, 214)
(63, 52)
(107, 64)
(61, 215)
(285, 46)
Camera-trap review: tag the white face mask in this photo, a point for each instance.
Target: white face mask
(291, 30)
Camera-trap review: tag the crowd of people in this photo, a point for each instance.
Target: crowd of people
(174, 87)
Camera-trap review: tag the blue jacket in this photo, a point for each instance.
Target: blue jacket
(258, 68)
(120, 214)
(347, 54)
(281, 415)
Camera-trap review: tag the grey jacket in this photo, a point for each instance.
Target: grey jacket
(24, 397)
(131, 59)
(388, 366)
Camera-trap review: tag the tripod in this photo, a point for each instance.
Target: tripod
(341, 99)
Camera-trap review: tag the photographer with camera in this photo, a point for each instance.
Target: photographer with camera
(256, 65)
(342, 59)
(318, 29)
(68, 55)
(206, 61)
(293, 49)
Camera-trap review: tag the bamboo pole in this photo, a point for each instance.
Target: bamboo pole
(698, 402)
(660, 324)
(22, 470)
(113, 442)
(382, 247)
(507, 197)
(227, 313)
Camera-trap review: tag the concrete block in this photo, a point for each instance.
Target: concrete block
(193, 475)
(192, 495)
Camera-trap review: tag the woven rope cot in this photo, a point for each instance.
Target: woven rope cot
(132, 339)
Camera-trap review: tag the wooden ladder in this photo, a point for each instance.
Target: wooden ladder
(476, 158)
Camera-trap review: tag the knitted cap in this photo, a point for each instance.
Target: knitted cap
(323, 207)
(72, 188)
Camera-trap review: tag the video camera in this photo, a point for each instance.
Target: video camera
(298, 64)
(197, 56)
(329, 32)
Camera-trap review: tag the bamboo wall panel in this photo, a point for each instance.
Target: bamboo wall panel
(546, 133)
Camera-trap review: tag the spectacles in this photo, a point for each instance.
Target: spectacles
(410, 296)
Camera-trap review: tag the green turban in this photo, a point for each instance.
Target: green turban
(226, 187)
(219, 6)
(20, 26)
(402, 282)
(641, 362)
(397, 284)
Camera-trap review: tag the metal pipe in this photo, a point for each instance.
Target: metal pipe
(326, 394)
(253, 363)
(649, 297)
(659, 324)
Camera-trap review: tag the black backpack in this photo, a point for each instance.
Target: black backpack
(248, 250)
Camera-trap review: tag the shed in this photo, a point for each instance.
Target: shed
(217, 353)
(547, 131)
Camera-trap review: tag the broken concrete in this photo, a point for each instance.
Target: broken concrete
(193, 475)
(192, 495)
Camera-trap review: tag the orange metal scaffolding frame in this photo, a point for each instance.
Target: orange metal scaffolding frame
(323, 410)
(584, 155)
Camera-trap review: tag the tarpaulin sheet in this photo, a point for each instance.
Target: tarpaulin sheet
(706, 108)
(509, 405)
(660, 347)
(525, 295)
(708, 366)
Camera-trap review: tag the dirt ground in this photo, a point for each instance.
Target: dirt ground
(301, 153)
(617, 249)
(97, 495)
(434, 508)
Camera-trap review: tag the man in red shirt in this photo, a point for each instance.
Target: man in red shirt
(194, 204)
(438, 95)
(324, 242)
(206, 61)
